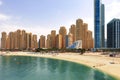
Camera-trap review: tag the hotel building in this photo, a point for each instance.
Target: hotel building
(53, 36)
(42, 41)
(18, 40)
(4, 40)
(83, 34)
(48, 41)
(59, 41)
(72, 30)
(69, 39)
(113, 33)
(63, 32)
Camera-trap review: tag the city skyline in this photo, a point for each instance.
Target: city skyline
(22, 40)
(36, 16)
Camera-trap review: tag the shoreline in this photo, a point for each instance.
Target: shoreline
(108, 65)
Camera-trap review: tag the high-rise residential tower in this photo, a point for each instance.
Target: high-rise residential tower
(48, 41)
(35, 44)
(4, 40)
(53, 36)
(72, 30)
(98, 24)
(42, 41)
(63, 32)
(69, 39)
(113, 34)
(79, 25)
(59, 41)
(18, 40)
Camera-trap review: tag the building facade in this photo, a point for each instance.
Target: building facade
(83, 34)
(102, 26)
(98, 24)
(63, 32)
(18, 40)
(113, 34)
(48, 41)
(69, 39)
(4, 40)
(59, 41)
(72, 30)
(53, 36)
(42, 41)
(79, 25)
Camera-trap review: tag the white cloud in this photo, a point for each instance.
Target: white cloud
(4, 17)
(112, 10)
(1, 2)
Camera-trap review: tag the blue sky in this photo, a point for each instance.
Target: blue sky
(42, 16)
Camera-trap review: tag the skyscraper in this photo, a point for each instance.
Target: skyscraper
(89, 41)
(28, 41)
(4, 40)
(59, 41)
(24, 39)
(63, 32)
(18, 40)
(102, 26)
(113, 34)
(11, 36)
(79, 25)
(48, 41)
(53, 35)
(42, 41)
(69, 39)
(98, 24)
(72, 30)
(31, 41)
(35, 44)
(83, 34)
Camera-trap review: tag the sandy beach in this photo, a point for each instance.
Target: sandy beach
(104, 63)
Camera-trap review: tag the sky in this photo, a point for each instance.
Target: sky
(42, 16)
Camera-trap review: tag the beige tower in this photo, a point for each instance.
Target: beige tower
(42, 41)
(82, 33)
(8, 43)
(59, 41)
(18, 39)
(31, 41)
(15, 39)
(35, 45)
(73, 32)
(53, 35)
(48, 41)
(79, 25)
(63, 32)
(84, 38)
(4, 40)
(28, 41)
(89, 39)
(11, 40)
(24, 39)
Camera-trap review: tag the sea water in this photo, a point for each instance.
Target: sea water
(35, 68)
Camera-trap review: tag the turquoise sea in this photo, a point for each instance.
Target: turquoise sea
(34, 68)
